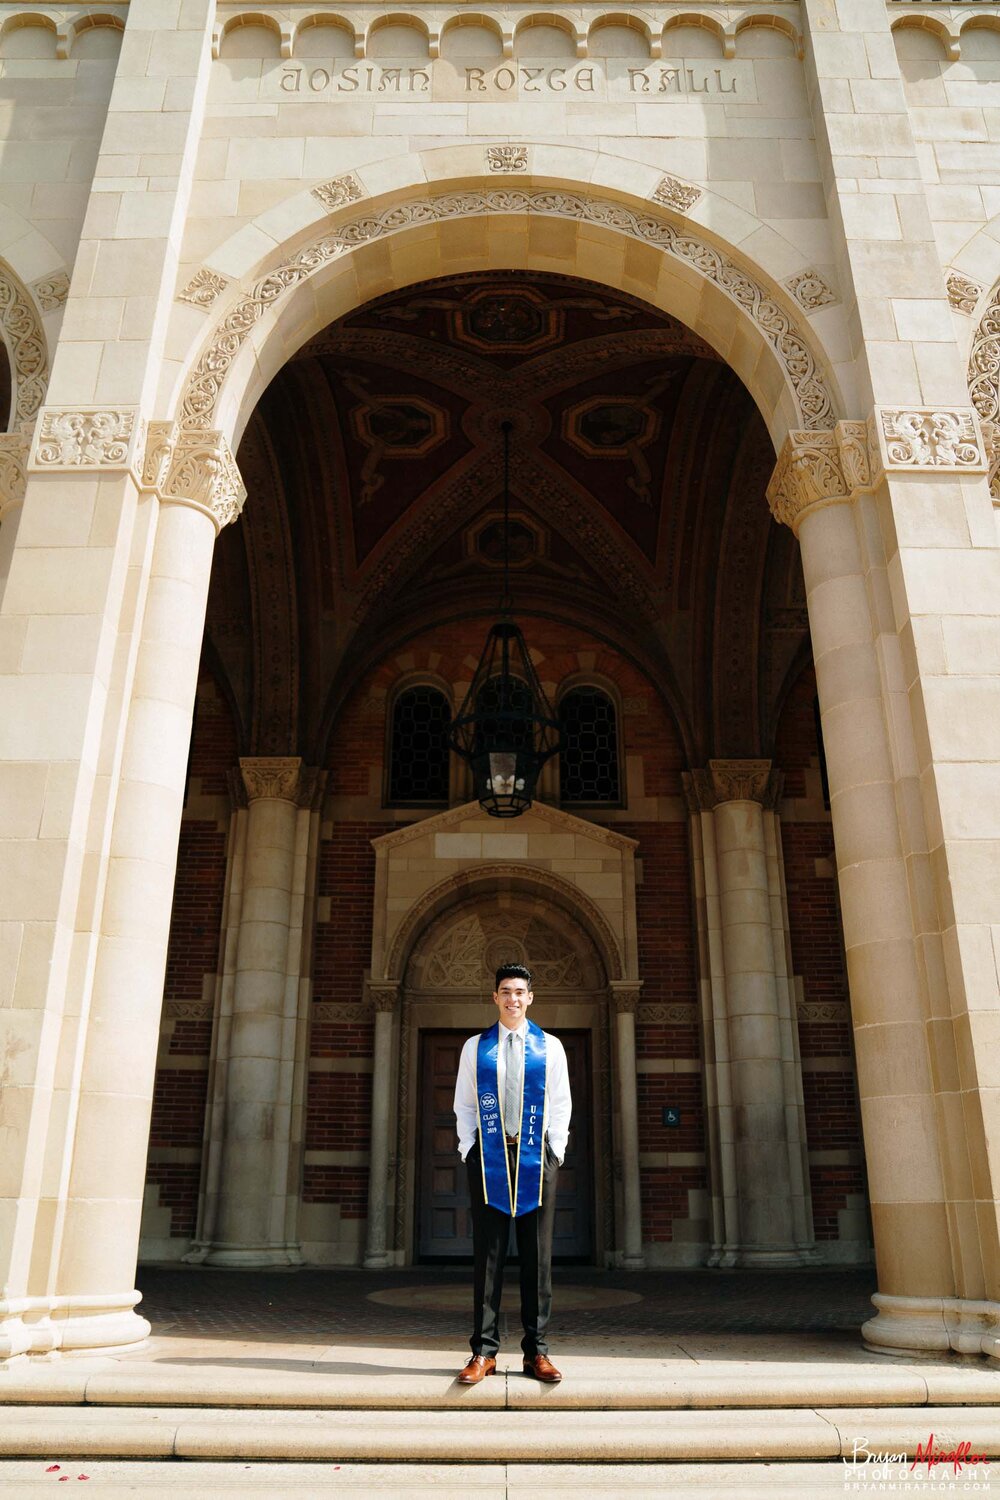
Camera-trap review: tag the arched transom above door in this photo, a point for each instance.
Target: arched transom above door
(462, 950)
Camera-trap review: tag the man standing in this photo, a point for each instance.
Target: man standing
(512, 1106)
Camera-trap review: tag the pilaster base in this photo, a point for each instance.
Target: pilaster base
(927, 1326)
(247, 1257)
(54, 1325)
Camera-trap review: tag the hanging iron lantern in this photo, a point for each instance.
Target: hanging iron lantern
(505, 729)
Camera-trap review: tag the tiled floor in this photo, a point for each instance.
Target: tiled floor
(318, 1304)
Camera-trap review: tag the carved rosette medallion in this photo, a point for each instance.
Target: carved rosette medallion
(272, 777)
(204, 289)
(733, 781)
(805, 376)
(507, 158)
(51, 291)
(95, 438)
(963, 293)
(13, 468)
(928, 438)
(339, 191)
(194, 468)
(816, 469)
(811, 291)
(673, 193)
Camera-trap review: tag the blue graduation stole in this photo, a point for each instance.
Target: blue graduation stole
(526, 1190)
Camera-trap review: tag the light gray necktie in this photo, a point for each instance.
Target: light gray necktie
(512, 1085)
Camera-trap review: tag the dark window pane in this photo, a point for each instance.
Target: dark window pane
(588, 765)
(418, 767)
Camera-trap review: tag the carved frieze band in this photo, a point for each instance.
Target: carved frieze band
(667, 1015)
(272, 777)
(187, 1010)
(13, 468)
(732, 781)
(804, 375)
(822, 1010)
(194, 468)
(340, 1010)
(88, 438)
(24, 337)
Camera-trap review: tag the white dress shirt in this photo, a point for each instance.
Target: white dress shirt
(558, 1104)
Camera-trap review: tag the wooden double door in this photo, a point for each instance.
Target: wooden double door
(443, 1218)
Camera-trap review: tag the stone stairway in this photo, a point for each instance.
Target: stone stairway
(752, 1415)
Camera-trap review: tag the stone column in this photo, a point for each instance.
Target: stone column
(199, 491)
(255, 1075)
(385, 1000)
(625, 997)
(817, 477)
(755, 1044)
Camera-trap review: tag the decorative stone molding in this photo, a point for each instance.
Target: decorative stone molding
(805, 377)
(342, 1011)
(963, 294)
(507, 158)
(926, 437)
(811, 291)
(383, 998)
(51, 292)
(815, 469)
(188, 1010)
(673, 193)
(984, 362)
(822, 1010)
(13, 468)
(22, 333)
(732, 781)
(339, 191)
(94, 438)
(625, 995)
(274, 777)
(204, 288)
(196, 468)
(667, 1015)
(991, 440)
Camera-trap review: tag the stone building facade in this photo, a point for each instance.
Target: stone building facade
(270, 279)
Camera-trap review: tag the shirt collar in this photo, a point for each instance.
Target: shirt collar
(518, 1030)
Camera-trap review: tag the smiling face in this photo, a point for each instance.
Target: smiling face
(512, 1000)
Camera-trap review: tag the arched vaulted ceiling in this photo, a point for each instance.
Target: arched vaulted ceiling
(374, 473)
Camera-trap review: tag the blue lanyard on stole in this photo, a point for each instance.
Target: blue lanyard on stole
(526, 1190)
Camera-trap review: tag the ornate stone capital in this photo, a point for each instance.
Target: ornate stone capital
(87, 438)
(927, 437)
(384, 998)
(625, 996)
(733, 781)
(277, 777)
(194, 468)
(14, 448)
(816, 469)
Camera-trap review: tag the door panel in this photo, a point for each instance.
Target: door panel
(443, 1219)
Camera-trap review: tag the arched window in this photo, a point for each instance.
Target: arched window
(588, 764)
(418, 750)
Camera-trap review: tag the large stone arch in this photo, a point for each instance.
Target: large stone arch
(24, 339)
(363, 250)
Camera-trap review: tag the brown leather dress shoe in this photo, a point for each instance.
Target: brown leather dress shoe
(542, 1368)
(479, 1366)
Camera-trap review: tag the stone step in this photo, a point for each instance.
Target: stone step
(786, 1388)
(476, 1436)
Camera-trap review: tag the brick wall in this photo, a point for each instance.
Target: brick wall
(832, 1115)
(178, 1115)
